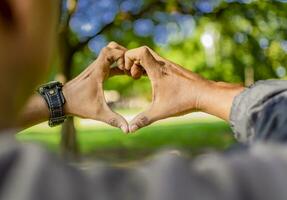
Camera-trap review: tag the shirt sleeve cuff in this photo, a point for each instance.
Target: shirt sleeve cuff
(249, 101)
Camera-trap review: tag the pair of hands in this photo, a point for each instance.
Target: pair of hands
(175, 91)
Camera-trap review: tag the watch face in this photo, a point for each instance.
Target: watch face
(51, 84)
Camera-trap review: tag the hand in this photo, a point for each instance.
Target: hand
(84, 94)
(177, 91)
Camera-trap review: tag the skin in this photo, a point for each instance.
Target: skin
(84, 94)
(23, 50)
(177, 91)
(89, 86)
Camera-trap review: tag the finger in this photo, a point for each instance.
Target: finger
(121, 63)
(155, 55)
(115, 45)
(128, 61)
(112, 45)
(140, 121)
(161, 59)
(142, 56)
(109, 55)
(136, 71)
(115, 70)
(115, 120)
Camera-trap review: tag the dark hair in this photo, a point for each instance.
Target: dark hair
(6, 12)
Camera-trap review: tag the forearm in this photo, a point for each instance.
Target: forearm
(217, 98)
(35, 111)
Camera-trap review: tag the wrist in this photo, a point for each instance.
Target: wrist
(67, 94)
(217, 98)
(53, 95)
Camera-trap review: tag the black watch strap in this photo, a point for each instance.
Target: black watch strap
(53, 95)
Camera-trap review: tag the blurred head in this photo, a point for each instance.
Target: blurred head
(27, 38)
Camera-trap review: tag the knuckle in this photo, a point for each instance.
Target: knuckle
(121, 53)
(113, 122)
(127, 53)
(112, 44)
(107, 53)
(144, 49)
(142, 121)
(105, 50)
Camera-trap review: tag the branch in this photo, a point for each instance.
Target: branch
(82, 44)
(64, 26)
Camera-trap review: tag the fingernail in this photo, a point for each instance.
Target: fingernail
(133, 128)
(124, 129)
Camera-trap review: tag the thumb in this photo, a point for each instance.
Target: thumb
(141, 120)
(116, 120)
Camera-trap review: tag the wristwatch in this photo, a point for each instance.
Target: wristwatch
(53, 95)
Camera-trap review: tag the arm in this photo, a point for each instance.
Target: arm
(255, 113)
(218, 98)
(177, 91)
(35, 111)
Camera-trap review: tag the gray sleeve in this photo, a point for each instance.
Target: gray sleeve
(29, 173)
(260, 112)
(255, 173)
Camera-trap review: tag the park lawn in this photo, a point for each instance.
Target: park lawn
(109, 143)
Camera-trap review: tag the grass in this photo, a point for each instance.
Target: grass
(108, 143)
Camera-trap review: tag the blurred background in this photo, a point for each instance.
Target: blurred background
(238, 41)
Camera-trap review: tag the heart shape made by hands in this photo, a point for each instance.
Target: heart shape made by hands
(175, 91)
(168, 80)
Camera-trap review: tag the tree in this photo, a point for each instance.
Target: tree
(227, 40)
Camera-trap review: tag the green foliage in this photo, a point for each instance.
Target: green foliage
(243, 36)
(129, 87)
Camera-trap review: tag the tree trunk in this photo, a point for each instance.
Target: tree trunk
(249, 76)
(69, 147)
